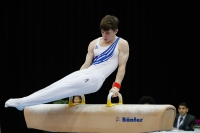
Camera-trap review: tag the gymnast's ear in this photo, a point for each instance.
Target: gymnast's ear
(116, 31)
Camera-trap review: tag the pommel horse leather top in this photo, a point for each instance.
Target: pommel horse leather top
(101, 118)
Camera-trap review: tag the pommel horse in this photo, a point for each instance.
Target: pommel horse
(100, 118)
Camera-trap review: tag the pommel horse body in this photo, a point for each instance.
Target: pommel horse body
(100, 118)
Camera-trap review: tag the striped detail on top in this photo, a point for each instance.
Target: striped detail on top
(107, 54)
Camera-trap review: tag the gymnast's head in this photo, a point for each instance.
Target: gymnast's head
(77, 99)
(109, 27)
(146, 100)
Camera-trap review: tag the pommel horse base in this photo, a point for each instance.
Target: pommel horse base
(100, 118)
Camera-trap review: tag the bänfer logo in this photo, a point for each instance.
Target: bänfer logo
(129, 119)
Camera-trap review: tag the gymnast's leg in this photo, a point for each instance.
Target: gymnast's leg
(16, 101)
(70, 76)
(62, 89)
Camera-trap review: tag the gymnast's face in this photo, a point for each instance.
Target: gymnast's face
(77, 100)
(182, 110)
(109, 35)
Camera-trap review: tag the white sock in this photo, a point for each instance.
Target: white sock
(14, 103)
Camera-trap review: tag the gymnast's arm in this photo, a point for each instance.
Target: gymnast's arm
(89, 56)
(123, 58)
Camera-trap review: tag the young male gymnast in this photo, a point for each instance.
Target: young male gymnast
(105, 54)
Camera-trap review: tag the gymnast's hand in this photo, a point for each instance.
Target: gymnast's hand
(115, 91)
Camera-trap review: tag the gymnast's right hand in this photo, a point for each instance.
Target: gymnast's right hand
(115, 91)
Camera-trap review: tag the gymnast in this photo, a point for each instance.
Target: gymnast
(105, 54)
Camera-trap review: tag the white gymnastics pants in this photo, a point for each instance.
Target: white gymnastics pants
(77, 83)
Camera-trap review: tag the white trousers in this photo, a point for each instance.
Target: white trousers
(77, 83)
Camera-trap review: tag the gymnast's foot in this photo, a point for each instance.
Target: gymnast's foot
(14, 103)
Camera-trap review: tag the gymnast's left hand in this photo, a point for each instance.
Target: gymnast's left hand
(115, 91)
